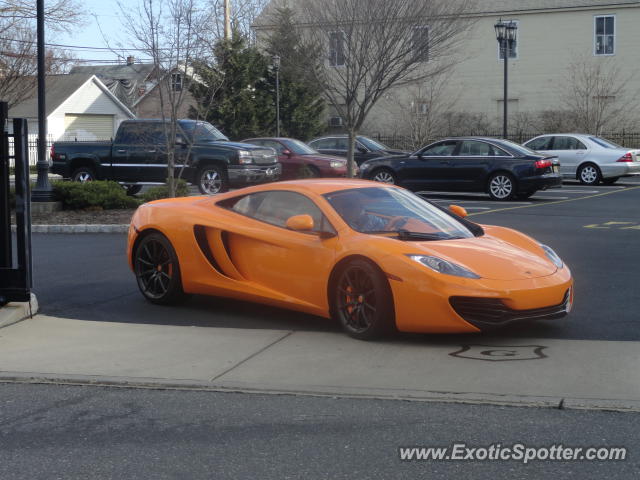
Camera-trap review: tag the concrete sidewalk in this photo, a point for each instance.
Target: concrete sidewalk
(539, 372)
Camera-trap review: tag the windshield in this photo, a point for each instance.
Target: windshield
(201, 132)
(604, 143)
(372, 144)
(298, 147)
(380, 210)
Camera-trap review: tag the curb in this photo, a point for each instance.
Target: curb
(83, 228)
(17, 311)
(521, 401)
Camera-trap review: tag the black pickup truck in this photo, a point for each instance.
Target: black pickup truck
(138, 156)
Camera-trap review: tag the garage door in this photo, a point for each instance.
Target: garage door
(88, 127)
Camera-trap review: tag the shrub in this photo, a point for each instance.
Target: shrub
(98, 195)
(162, 191)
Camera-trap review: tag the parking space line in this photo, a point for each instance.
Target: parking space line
(564, 190)
(559, 201)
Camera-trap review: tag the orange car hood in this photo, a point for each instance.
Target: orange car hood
(490, 257)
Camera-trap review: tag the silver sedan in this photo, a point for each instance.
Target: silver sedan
(588, 158)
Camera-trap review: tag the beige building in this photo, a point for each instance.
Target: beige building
(555, 39)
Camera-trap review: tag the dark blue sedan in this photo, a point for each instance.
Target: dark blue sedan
(503, 169)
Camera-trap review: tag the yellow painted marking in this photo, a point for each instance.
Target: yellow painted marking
(595, 225)
(556, 202)
(619, 223)
(635, 227)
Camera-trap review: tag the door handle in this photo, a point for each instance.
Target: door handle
(151, 151)
(121, 151)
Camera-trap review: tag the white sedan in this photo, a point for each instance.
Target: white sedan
(588, 158)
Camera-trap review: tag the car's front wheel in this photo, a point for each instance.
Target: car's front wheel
(157, 270)
(211, 179)
(384, 175)
(502, 186)
(589, 174)
(362, 300)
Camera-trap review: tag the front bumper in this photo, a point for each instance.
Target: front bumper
(240, 175)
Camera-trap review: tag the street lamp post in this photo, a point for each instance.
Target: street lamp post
(42, 191)
(276, 67)
(506, 36)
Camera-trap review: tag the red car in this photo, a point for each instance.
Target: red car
(299, 160)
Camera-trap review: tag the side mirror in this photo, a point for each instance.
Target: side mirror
(286, 152)
(458, 210)
(300, 223)
(180, 140)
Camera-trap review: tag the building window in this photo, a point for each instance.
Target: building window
(605, 35)
(420, 107)
(336, 49)
(513, 50)
(176, 82)
(420, 37)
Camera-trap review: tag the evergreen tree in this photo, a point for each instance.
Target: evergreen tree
(301, 100)
(234, 93)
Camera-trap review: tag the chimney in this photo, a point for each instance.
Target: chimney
(131, 60)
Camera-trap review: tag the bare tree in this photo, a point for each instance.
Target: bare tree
(18, 60)
(375, 45)
(597, 96)
(243, 15)
(171, 33)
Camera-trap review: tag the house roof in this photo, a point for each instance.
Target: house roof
(265, 19)
(58, 89)
(124, 81)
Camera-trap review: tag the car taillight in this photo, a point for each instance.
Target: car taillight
(627, 157)
(52, 153)
(543, 163)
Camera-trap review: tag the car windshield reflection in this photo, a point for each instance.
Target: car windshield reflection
(386, 210)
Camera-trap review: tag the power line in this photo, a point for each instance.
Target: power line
(81, 47)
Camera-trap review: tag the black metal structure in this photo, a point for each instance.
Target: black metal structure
(15, 277)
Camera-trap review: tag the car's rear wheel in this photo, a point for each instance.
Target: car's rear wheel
(211, 179)
(157, 270)
(502, 186)
(589, 174)
(610, 181)
(384, 175)
(133, 189)
(362, 300)
(83, 174)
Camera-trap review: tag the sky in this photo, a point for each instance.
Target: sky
(102, 15)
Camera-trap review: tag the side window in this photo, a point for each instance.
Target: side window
(277, 146)
(342, 143)
(568, 143)
(473, 148)
(325, 144)
(275, 208)
(539, 143)
(441, 149)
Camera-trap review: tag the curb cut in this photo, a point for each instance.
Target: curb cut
(83, 228)
(17, 311)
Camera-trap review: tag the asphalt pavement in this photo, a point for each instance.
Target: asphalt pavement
(85, 432)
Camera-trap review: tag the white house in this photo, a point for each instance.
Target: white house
(78, 106)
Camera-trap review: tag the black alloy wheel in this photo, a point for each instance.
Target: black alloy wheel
(362, 301)
(157, 270)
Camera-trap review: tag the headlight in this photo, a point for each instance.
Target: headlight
(443, 266)
(336, 164)
(553, 256)
(245, 157)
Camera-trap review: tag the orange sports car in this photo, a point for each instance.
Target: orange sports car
(374, 256)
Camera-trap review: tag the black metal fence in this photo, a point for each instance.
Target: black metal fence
(406, 142)
(32, 146)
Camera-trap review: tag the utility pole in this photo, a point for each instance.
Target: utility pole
(227, 20)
